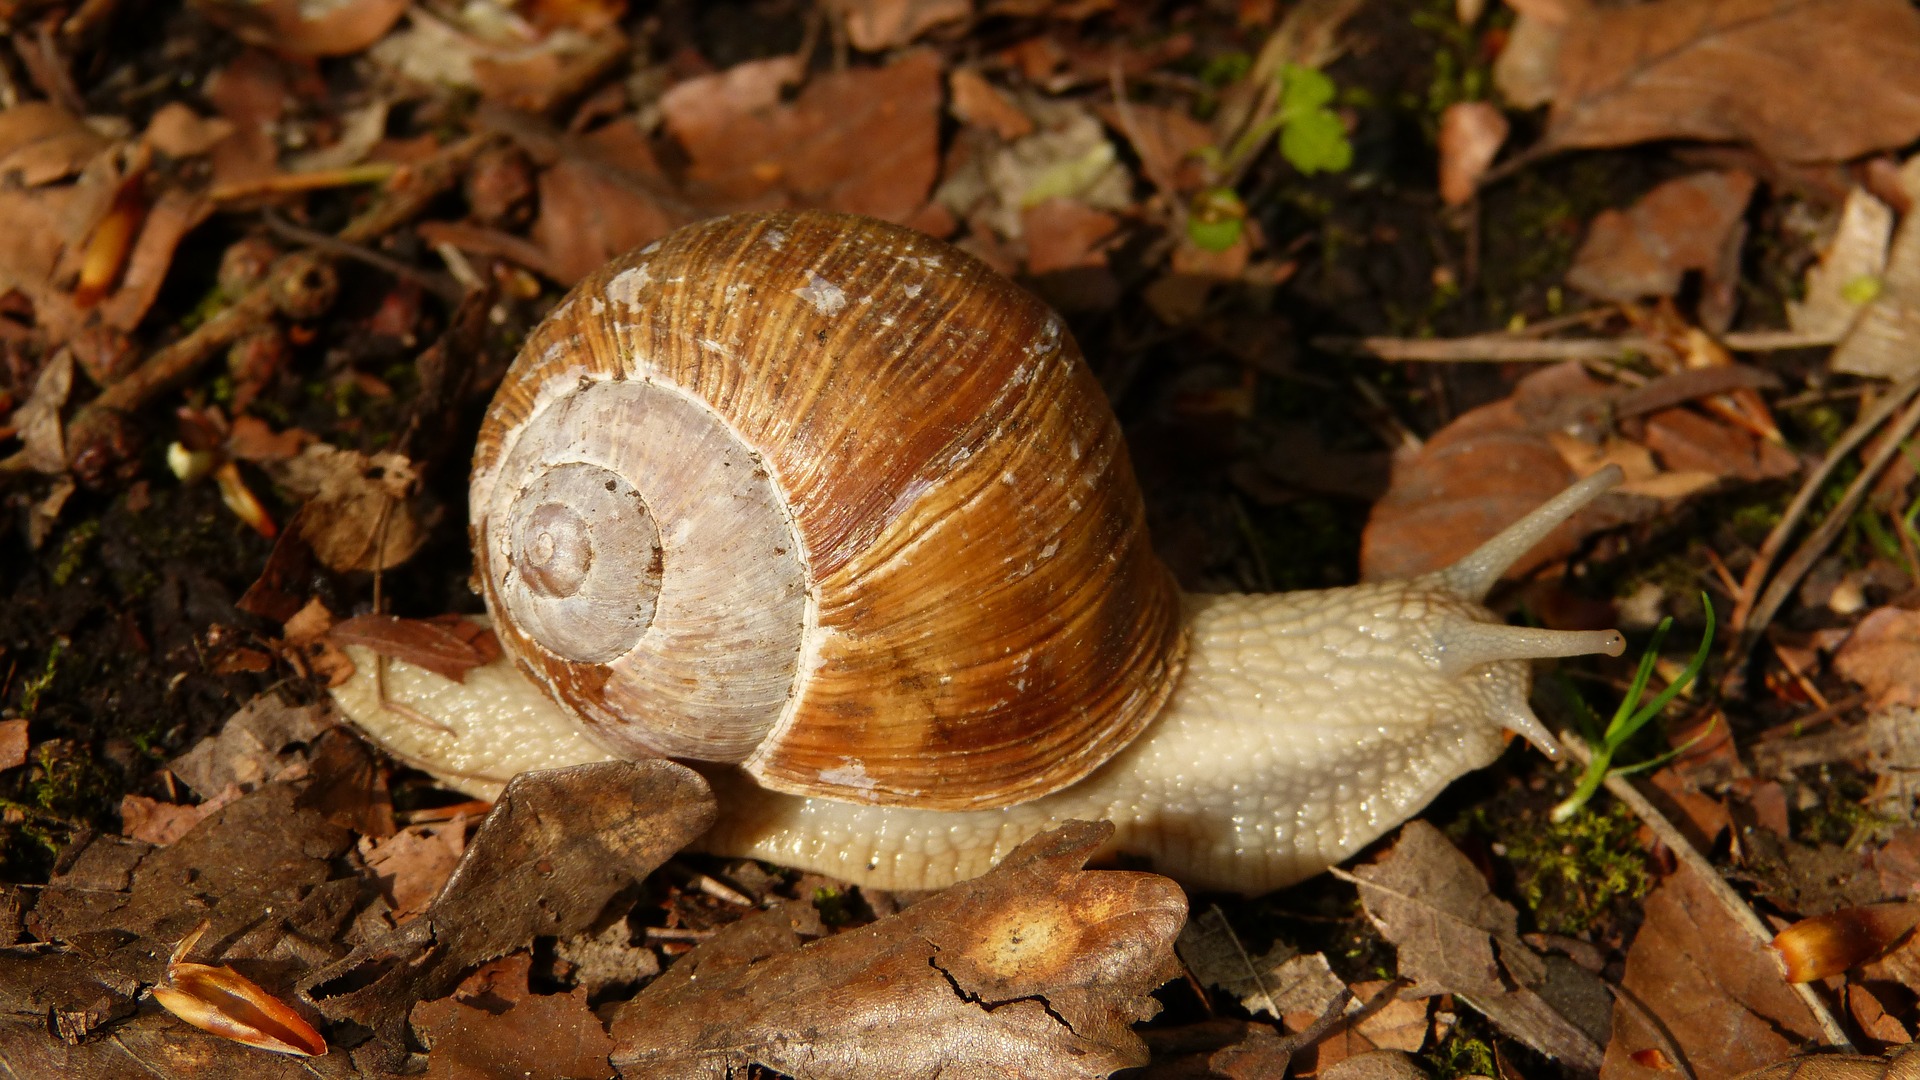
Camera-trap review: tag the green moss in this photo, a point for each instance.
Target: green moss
(73, 551)
(1569, 873)
(1461, 1054)
(31, 690)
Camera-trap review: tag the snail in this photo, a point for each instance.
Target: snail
(829, 506)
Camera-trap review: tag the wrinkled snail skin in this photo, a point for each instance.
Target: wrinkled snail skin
(949, 632)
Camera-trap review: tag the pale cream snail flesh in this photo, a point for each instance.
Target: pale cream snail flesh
(831, 507)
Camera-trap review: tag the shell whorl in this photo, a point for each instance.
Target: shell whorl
(829, 499)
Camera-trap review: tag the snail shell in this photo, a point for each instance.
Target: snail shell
(825, 498)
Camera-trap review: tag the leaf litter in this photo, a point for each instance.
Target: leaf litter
(1096, 151)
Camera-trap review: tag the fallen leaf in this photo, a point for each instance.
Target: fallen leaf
(535, 1035)
(1169, 142)
(1884, 338)
(1471, 134)
(177, 131)
(1847, 276)
(37, 421)
(1066, 235)
(1683, 225)
(558, 846)
(974, 100)
(1801, 80)
(1900, 1064)
(1718, 993)
(746, 146)
(257, 743)
(878, 25)
(449, 649)
(597, 203)
(1277, 983)
(1454, 936)
(360, 516)
(1689, 442)
(413, 864)
(1883, 656)
(1068, 157)
(1035, 968)
(1376, 1065)
(13, 744)
(303, 28)
(159, 823)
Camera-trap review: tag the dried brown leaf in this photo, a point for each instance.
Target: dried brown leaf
(303, 28)
(558, 846)
(41, 143)
(160, 823)
(1885, 339)
(1856, 255)
(37, 421)
(1801, 80)
(1717, 992)
(1901, 1063)
(1035, 969)
(552, 1035)
(878, 25)
(1455, 936)
(1883, 656)
(977, 101)
(177, 131)
(862, 141)
(440, 647)
(13, 744)
(1471, 133)
(413, 864)
(1683, 225)
(593, 208)
(358, 512)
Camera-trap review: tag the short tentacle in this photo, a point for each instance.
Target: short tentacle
(1474, 576)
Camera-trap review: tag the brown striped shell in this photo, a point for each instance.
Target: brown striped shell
(829, 499)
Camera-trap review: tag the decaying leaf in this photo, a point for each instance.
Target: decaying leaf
(557, 848)
(1848, 273)
(1277, 983)
(13, 743)
(748, 147)
(1471, 133)
(1901, 1063)
(1885, 338)
(449, 647)
(504, 1032)
(304, 27)
(1455, 936)
(361, 516)
(877, 25)
(1883, 656)
(256, 744)
(1036, 968)
(226, 1003)
(1801, 80)
(1718, 992)
(1688, 224)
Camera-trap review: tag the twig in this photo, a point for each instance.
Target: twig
(408, 194)
(1748, 622)
(1737, 907)
(1511, 348)
(319, 241)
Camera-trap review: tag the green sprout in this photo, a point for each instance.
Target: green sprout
(1632, 716)
(1312, 137)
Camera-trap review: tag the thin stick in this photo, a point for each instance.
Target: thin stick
(1815, 545)
(1513, 348)
(1683, 850)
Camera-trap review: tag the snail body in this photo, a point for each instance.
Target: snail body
(828, 505)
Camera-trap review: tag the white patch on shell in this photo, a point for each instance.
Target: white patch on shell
(626, 287)
(1049, 339)
(596, 305)
(776, 239)
(848, 774)
(826, 297)
(912, 290)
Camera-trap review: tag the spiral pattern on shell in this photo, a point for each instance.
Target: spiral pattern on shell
(831, 500)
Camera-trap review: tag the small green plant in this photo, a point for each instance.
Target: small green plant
(1633, 715)
(1569, 872)
(1312, 137)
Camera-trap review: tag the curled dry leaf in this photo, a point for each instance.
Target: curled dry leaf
(498, 1030)
(1471, 133)
(974, 100)
(1883, 339)
(1883, 656)
(1830, 944)
(226, 1003)
(1801, 80)
(1036, 968)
